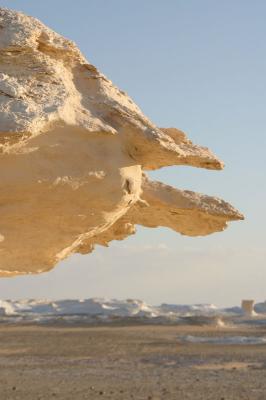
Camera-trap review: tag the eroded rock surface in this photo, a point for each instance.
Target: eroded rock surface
(73, 148)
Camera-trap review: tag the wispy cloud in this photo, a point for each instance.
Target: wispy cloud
(142, 248)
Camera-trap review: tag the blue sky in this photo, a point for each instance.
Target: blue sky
(199, 66)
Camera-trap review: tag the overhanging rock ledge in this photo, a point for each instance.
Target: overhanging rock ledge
(73, 148)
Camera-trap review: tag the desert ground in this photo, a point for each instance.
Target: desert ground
(128, 362)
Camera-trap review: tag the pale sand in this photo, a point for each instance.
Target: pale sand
(133, 362)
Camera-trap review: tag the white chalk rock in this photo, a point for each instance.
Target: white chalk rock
(73, 148)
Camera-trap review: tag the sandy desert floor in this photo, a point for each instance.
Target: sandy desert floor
(130, 362)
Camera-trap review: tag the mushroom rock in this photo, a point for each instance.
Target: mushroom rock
(73, 148)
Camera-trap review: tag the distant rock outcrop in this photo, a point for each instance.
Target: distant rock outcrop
(73, 148)
(247, 307)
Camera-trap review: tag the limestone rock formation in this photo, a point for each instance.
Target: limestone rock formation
(73, 148)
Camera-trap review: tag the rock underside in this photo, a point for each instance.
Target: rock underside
(73, 148)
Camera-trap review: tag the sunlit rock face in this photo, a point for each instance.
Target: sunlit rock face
(73, 148)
